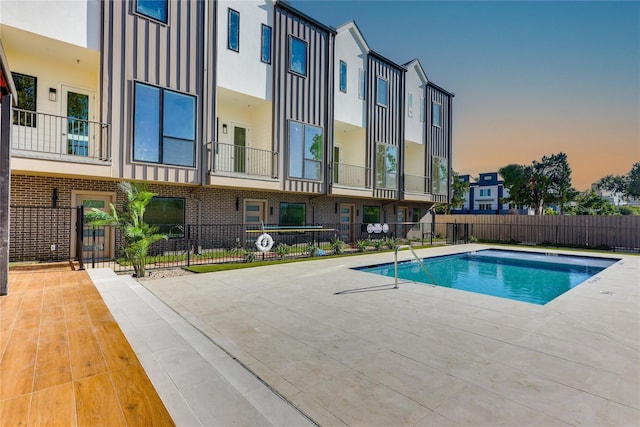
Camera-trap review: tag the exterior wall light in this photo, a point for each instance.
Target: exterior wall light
(53, 94)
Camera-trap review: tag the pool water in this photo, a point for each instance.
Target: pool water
(524, 276)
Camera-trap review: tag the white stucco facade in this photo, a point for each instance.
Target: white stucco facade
(73, 22)
(351, 48)
(243, 70)
(416, 81)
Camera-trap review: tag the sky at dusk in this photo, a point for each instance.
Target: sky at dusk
(530, 78)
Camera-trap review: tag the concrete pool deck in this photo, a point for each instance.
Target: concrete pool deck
(346, 349)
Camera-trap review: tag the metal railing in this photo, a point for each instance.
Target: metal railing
(235, 159)
(351, 175)
(63, 137)
(416, 184)
(422, 266)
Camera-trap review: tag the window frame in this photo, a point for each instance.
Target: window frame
(142, 14)
(343, 76)
(28, 119)
(436, 186)
(384, 173)
(231, 12)
(410, 105)
(362, 83)
(422, 109)
(290, 224)
(262, 45)
(433, 114)
(161, 125)
(162, 227)
(386, 91)
(293, 39)
(304, 159)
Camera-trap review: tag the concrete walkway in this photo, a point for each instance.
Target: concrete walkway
(348, 350)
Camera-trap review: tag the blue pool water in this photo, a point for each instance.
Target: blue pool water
(524, 276)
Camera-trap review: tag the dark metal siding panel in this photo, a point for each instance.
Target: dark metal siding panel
(439, 138)
(303, 99)
(135, 48)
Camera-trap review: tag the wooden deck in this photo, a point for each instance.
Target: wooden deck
(64, 360)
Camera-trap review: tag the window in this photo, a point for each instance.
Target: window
(297, 56)
(233, 31)
(437, 116)
(381, 97)
(164, 126)
(154, 9)
(293, 214)
(305, 151)
(343, 76)
(362, 86)
(485, 193)
(386, 166)
(166, 213)
(410, 105)
(265, 55)
(415, 217)
(26, 87)
(371, 214)
(422, 109)
(439, 175)
(484, 206)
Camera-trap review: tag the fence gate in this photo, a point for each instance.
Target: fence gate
(457, 233)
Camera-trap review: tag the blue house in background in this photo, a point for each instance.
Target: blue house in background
(484, 196)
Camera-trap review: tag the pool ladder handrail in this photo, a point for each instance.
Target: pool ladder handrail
(395, 263)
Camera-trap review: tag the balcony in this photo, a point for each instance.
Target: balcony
(46, 136)
(238, 161)
(351, 176)
(416, 184)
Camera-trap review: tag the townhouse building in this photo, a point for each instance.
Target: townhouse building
(233, 112)
(485, 195)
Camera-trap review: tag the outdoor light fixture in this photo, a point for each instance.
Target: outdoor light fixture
(224, 128)
(53, 95)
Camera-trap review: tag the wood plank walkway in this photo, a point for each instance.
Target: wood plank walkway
(64, 359)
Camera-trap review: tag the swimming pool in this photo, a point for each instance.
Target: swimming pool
(524, 276)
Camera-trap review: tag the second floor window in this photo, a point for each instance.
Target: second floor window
(410, 105)
(343, 76)
(265, 51)
(439, 175)
(297, 56)
(422, 108)
(164, 126)
(386, 166)
(154, 9)
(485, 193)
(233, 31)
(362, 86)
(381, 92)
(26, 87)
(305, 151)
(437, 114)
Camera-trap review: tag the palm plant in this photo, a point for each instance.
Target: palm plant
(129, 220)
(337, 245)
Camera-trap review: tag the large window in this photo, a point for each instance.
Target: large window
(26, 88)
(164, 126)
(371, 214)
(297, 56)
(166, 213)
(439, 175)
(343, 76)
(154, 9)
(485, 192)
(437, 114)
(293, 214)
(305, 151)
(386, 166)
(381, 91)
(233, 31)
(265, 51)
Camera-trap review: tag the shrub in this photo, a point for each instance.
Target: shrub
(282, 250)
(361, 245)
(337, 245)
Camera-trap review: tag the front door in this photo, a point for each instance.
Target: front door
(77, 107)
(255, 214)
(96, 244)
(347, 221)
(239, 149)
(401, 228)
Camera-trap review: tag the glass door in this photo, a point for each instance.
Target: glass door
(96, 244)
(347, 223)
(239, 149)
(78, 113)
(255, 214)
(401, 228)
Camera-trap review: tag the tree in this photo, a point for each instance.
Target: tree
(129, 220)
(590, 203)
(633, 181)
(542, 183)
(626, 186)
(459, 188)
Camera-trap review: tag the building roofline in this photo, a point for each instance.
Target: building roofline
(387, 60)
(420, 68)
(435, 86)
(289, 8)
(6, 73)
(352, 25)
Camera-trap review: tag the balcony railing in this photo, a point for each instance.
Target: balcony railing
(239, 160)
(416, 184)
(66, 138)
(351, 176)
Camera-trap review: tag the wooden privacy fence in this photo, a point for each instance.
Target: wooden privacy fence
(584, 230)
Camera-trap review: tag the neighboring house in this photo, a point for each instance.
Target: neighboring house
(614, 198)
(485, 197)
(235, 112)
